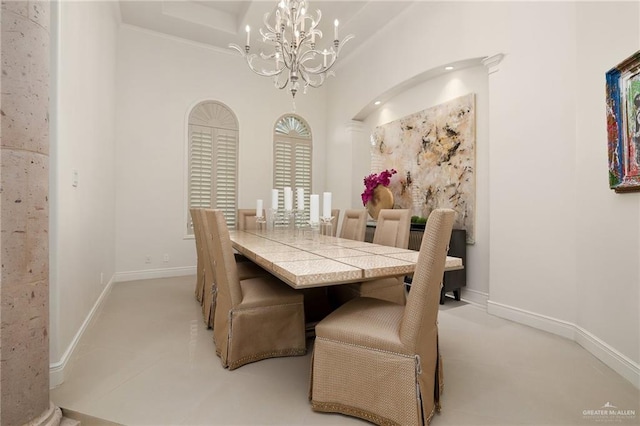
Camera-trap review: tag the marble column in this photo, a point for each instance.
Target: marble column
(24, 215)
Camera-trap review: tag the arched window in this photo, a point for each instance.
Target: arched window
(292, 149)
(213, 160)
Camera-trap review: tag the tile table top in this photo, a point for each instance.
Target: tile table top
(305, 262)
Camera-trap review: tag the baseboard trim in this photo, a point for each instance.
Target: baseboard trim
(618, 362)
(539, 321)
(154, 273)
(611, 357)
(56, 369)
(475, 297)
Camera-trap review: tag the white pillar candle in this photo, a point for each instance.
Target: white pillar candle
(248, 29)
(326, 205)
(314, 203)
(300, 198)
(258, 208)
(274, 199)
(335, 29)
(288, 198)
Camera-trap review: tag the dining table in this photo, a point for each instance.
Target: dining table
(309, 259)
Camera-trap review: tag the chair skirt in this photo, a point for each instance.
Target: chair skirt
(268, 323)
(265, 332)
(360, 368)
(377, 386)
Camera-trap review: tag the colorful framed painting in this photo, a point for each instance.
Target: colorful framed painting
(623, 124)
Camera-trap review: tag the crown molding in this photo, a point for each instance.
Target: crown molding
(492, 62)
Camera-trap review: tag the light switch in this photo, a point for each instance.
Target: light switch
(74, 178)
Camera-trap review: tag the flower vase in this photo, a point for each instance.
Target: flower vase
(382, 199)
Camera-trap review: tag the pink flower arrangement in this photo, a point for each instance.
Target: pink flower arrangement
(370, 182)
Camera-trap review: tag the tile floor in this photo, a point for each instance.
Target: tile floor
(147, 359)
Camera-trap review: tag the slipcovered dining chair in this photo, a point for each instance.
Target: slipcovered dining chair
(378, 360)
(354, 225)
(246, 270)
(256, 318)
(198, 232)
(392, 229)
(247, 219)
(335, 216)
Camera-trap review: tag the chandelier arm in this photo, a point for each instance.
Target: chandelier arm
(320, 69)
(268, 36)
(250, 58)
(283, 84)
(334, 57)
(308, 55)
(343, 42)
(265, 20)
(315, 84)
(317, 21)
(236, 47)
(263, 72)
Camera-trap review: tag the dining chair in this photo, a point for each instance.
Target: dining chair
(378, 360)
(335, 216)
(247, 219)
(196, 217)
(246, 270)
(255, 318)
(392, 229)
(354, 225)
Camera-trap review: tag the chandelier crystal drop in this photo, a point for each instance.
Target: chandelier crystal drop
(293, 58)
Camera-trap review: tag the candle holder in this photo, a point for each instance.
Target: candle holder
(289, 221)
(261, 223)
(315, 230)
(272, 218)
(299, 222)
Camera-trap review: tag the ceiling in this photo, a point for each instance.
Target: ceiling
(218, 23)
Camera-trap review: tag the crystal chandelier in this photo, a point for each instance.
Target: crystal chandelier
(294, 59)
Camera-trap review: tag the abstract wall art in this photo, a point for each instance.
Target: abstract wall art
(434, 153)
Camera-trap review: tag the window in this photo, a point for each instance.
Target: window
(292, 157)
(213, 160)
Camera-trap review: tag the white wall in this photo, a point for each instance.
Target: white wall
(83, 139)
(159, 80)
(608, 224)
(563, 249)
(425, 95)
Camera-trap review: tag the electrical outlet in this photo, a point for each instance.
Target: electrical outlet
(147, 259)
(165, 258)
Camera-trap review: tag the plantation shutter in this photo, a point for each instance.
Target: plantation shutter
(292, 158)
(213, 161)
(226, 179)
(283, 168)
(200, 166)
(303, 173)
